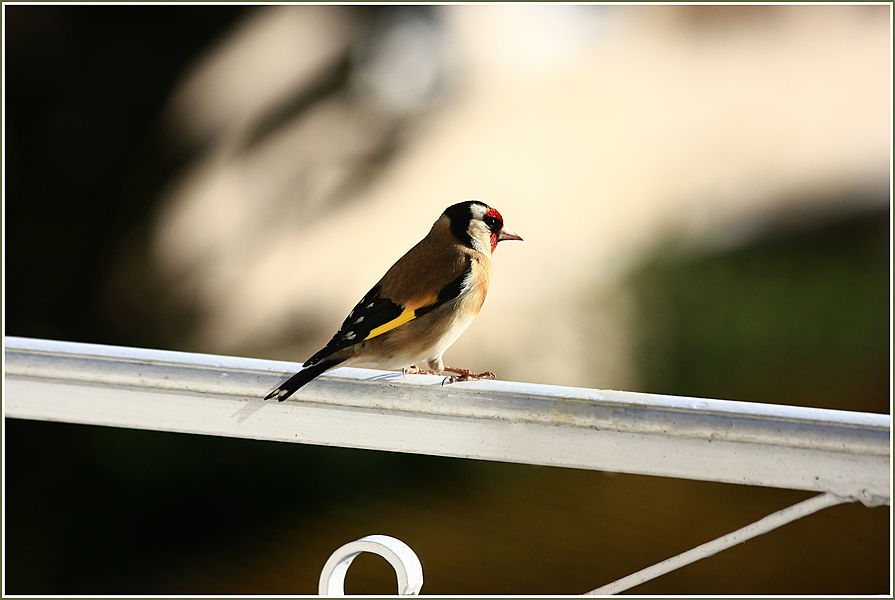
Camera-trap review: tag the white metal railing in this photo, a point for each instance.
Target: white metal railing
(844, 454)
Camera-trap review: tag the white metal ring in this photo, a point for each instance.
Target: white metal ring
(399, 555)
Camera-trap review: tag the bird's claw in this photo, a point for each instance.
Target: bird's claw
(465, 375)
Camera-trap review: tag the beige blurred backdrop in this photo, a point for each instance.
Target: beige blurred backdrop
(594, 130)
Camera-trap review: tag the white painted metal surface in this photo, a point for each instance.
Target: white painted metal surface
(403, 560)
(842, 452)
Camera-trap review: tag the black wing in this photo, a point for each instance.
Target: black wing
(375, 315)
(368, 314)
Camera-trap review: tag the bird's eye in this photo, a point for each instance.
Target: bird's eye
(493, 223)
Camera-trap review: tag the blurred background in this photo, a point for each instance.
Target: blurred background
(704, 192)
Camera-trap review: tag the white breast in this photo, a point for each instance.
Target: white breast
(452, 335)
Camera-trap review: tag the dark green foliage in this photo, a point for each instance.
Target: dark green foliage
(798, 316)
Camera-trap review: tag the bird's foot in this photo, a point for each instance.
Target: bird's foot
(415, 370)
(465, 375)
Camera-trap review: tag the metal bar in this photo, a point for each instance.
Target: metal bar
(768, 523)
(846, 453)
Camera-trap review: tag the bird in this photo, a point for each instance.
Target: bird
(422, 304)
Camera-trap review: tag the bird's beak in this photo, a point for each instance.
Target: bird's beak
(508, 234)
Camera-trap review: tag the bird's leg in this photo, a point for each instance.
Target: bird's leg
(415, 370)
(464, 375)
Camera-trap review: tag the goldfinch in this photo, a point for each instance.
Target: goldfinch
(423, 303)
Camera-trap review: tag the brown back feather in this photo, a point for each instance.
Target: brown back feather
(436, 261)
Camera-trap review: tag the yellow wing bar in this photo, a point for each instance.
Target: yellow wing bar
(408, 315)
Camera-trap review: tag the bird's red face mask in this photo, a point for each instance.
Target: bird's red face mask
(499, 231)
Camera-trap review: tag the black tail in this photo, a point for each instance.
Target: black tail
(288, 387)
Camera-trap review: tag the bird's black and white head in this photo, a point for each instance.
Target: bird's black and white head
(478, 226)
